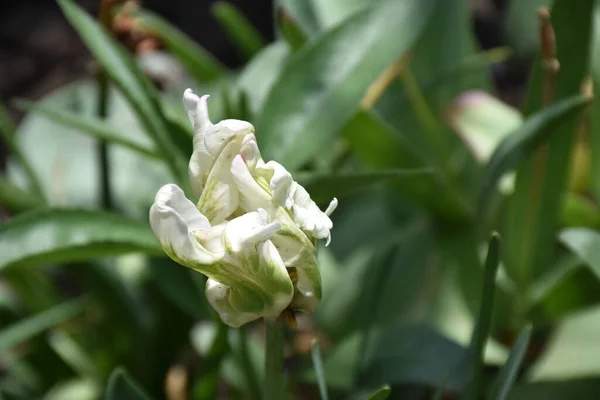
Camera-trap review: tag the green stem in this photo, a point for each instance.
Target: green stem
(252, 381)
(274, 377)
(102, 112)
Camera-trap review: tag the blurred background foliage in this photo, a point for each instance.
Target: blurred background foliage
(435, 123)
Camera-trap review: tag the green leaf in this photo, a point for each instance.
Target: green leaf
(136, 87)
(594, 129)
(301, 13)
(330, 76)
(60, 235)
(324, 187)
(260, 74)
(7, 134)
(29, 327)
(484, 318)
(580, 389)
(240, 31)
(318, 366)
(413, 355)
(181, 285)
(89, 125)
(122, 387)
(509, 372)
(534, 209)
(202, 65)
(381, 394)
(16, 199)
(536, 130)
(585, 243)
(291, 32)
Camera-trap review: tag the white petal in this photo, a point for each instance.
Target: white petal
(252, 196)
(331, 207)
(197, 110)
(220, 197)
(245, 232)
(268, 255)
(218, 297)
(217, 136)
(281, 184)
(201, 161)
(174, 219)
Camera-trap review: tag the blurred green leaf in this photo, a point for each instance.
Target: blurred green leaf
(323, 187)
(585, 243)
(580, 389)
(381, 394)
(181, 286)
(483, 121)
(15, 199)
(53, 235)
(122, 387)
(260, 74)
(594, 127)
(136, 87)
(29, 327)
(301, 13)
(534, 209)
(330, 77)
(381, 146)
(483, 325)
(509, 372)
(202, 65)
(89, 125)
(537, 129)
(291, 31)
(522, 25)
(413, 355)
(239, 29)
(7, 133)
(72, 353)
(318, 366)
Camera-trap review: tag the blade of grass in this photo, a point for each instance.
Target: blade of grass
(381, 394)
(135, 86)
(16, 199)
(536, 130)
(7, 131)
(509, 372)
(239, 29)
(122, 387)
(29, 327)
(484, 318)
(88, 125)
(318, 365)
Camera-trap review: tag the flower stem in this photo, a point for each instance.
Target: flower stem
(274, 377)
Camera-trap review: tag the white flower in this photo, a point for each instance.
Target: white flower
(247, 277)
(253, 231)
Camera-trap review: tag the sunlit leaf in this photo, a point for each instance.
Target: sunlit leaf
(53, 235)
(330, 77)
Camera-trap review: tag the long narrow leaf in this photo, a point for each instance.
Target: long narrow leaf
(89, 125)
(511, 368)
(54, 235)
(330, 77)
(7, 131)
(241, 31)
(535, 131)
(318, 366)
(484, 318)
(27, 328)
(381, 394)
(136, 88)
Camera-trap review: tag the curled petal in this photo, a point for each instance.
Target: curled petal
(242, 233)
(217, 136)
(201, 161)
(174, 219)
(220, 196)
(218, 297)
(252, 196)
